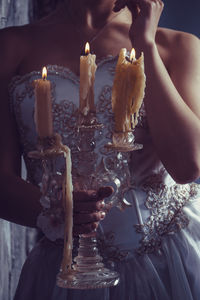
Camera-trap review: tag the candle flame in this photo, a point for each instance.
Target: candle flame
(44, 73)
(87, 48)
(132, 55)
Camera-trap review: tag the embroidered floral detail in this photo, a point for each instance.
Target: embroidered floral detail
(110, 253)
(65, 116)
(165, 204)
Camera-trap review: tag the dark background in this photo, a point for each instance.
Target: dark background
(182, 15)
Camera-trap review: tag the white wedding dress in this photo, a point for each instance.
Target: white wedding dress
(154, 244)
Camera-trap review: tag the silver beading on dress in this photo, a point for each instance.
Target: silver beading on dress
(167, 216)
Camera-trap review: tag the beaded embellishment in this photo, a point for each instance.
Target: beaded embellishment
(165, 204)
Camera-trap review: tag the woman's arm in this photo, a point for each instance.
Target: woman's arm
(172, 106)
(19, 200)
(172, 96)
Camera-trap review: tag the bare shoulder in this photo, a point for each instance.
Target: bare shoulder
(14, 42)
(172, 38)
(179, 46)
(183, 64)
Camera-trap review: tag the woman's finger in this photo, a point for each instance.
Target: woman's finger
(119, 4)
(83, 229)
(104, 192)
(89, 195)
(89, 206)
(143, 4)
(83, 218)
(132, 6)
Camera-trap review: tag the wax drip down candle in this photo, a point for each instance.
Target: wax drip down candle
(87, 76)
(128, 90)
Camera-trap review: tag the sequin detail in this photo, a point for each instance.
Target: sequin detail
(165, 204)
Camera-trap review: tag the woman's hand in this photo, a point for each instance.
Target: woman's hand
(89, 209)
(146, 15)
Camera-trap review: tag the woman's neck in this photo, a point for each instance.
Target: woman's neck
(92, 14)
(88, 18)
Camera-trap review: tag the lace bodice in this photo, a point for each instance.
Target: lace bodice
(149, 181)
(65, 94)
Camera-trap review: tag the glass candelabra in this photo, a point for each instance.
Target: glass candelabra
(89, 173)
(89, 271)
(123, 142)
(88, 122)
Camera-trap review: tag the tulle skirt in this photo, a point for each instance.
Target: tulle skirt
(172, 275)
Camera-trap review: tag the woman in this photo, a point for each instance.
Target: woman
(168, 129)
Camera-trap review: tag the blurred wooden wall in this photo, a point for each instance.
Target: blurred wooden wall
(15, 241)
(14, 12)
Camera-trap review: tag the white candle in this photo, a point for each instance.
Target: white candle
(87, 76)
(68, 198)
(43, 106)
(128, 91)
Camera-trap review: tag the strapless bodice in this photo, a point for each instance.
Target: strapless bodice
(65, 96)
(150, 190)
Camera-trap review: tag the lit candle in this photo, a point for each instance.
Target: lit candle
(128, 90)
(87, 76)
(43, 106)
